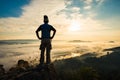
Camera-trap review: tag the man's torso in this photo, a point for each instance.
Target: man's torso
(45, 28)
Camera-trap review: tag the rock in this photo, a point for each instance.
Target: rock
(46, 72)
(2, 70)
(21, 72)
(22, 66)
(52, 72)
(26, 64)
(22, 63)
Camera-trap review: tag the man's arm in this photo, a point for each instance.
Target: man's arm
(37, 34)
(54, 32)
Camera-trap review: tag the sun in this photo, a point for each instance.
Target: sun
(74, 26)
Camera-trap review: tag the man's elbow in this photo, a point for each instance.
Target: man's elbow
(36, 31)
(55, 30)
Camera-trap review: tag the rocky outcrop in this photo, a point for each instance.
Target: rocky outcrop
(2, 70)
(25, 72)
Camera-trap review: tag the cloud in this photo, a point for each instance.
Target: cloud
(68, 2)
(33, 15)
(60, 12)
(88, 1)
(87, 7)
(31, 18)
(76, 9)
(12, 9)
(100, 1)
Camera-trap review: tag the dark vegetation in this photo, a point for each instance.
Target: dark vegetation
(106, 67)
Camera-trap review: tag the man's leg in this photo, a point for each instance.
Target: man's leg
(42, 56)
(48, 60)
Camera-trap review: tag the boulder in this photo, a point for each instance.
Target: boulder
(2, 70)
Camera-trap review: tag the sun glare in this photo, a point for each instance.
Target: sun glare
(74, 26)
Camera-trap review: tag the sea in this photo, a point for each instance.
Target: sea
(28, 49)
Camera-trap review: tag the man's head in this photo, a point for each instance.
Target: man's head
(46, 20)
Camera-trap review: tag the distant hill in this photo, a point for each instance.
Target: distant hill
(79, 41)
(113, 49)
(106, 67)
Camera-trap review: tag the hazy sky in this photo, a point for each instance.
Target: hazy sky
(73, 19)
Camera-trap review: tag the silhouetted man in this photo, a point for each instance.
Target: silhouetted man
(45, 39)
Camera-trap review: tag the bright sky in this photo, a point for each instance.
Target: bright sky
(73, 19)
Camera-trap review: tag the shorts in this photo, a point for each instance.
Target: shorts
(45, 43)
